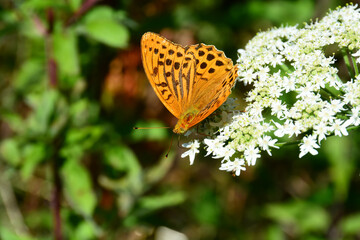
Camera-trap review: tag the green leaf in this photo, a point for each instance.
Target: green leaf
(341, 157)
(108, 32)
(100, 12)
(79, 139)
(75, 4)
(101, 24)
(33, 154)
(83, 111)
(14, 120)
(10, 151)
(166, 200)
(7, 234)
(351, 224)
(85, 231)
(29, 76)
(291, 12)
(274, 232)
(44, 107)
(85, 136)
(65, 51)
(158, 171)
(304, 217)
(206, 208)
(78, 187)
(122, 158)
(31, 5)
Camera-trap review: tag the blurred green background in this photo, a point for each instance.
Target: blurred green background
(71, 167)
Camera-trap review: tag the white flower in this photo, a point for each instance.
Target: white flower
(321, 130)
(326, 115)
(235, 166)
(266, 142)
(248, 76)
(357, 55)
(294, 128)
(213, 145)
(354, 117)
(251, 154)
(192, 151)
(288, 84)
(337, 105)
(278, 108)
(339, 127)
(280, 131)
(225, 153)
(308, 146)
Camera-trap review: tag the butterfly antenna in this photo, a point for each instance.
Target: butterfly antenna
(167, 154)
(178, 143)
(136, 128)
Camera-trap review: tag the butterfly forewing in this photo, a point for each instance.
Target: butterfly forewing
(170, 70)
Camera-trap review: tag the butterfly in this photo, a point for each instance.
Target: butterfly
(191, 81)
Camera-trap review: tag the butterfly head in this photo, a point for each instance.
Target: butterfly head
(185, 122)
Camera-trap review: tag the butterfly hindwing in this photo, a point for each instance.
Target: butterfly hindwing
(215, 76)
(218, 97)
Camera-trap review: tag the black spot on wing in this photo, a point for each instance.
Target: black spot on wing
(168, 62)
(155, 71)
(203, 65)
(176, 65)
(210, 57)
(219, 63)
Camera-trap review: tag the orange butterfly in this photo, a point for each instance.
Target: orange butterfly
(192, 81)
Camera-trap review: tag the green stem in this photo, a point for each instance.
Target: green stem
(285, 68)
(330, 93)
(340, 81)
(355, 65)
(287, 143)
(347, 61)
(338, 78)
(352, 128)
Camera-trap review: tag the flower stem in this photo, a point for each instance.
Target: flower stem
(287, 143)
(285, 68)
(355, 66)
(347, 61)
(330, 93)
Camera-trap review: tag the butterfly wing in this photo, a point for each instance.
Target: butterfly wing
(192, 82)
(215, 76)
(170, 70)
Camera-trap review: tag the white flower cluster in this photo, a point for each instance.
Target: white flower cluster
(297, 91)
